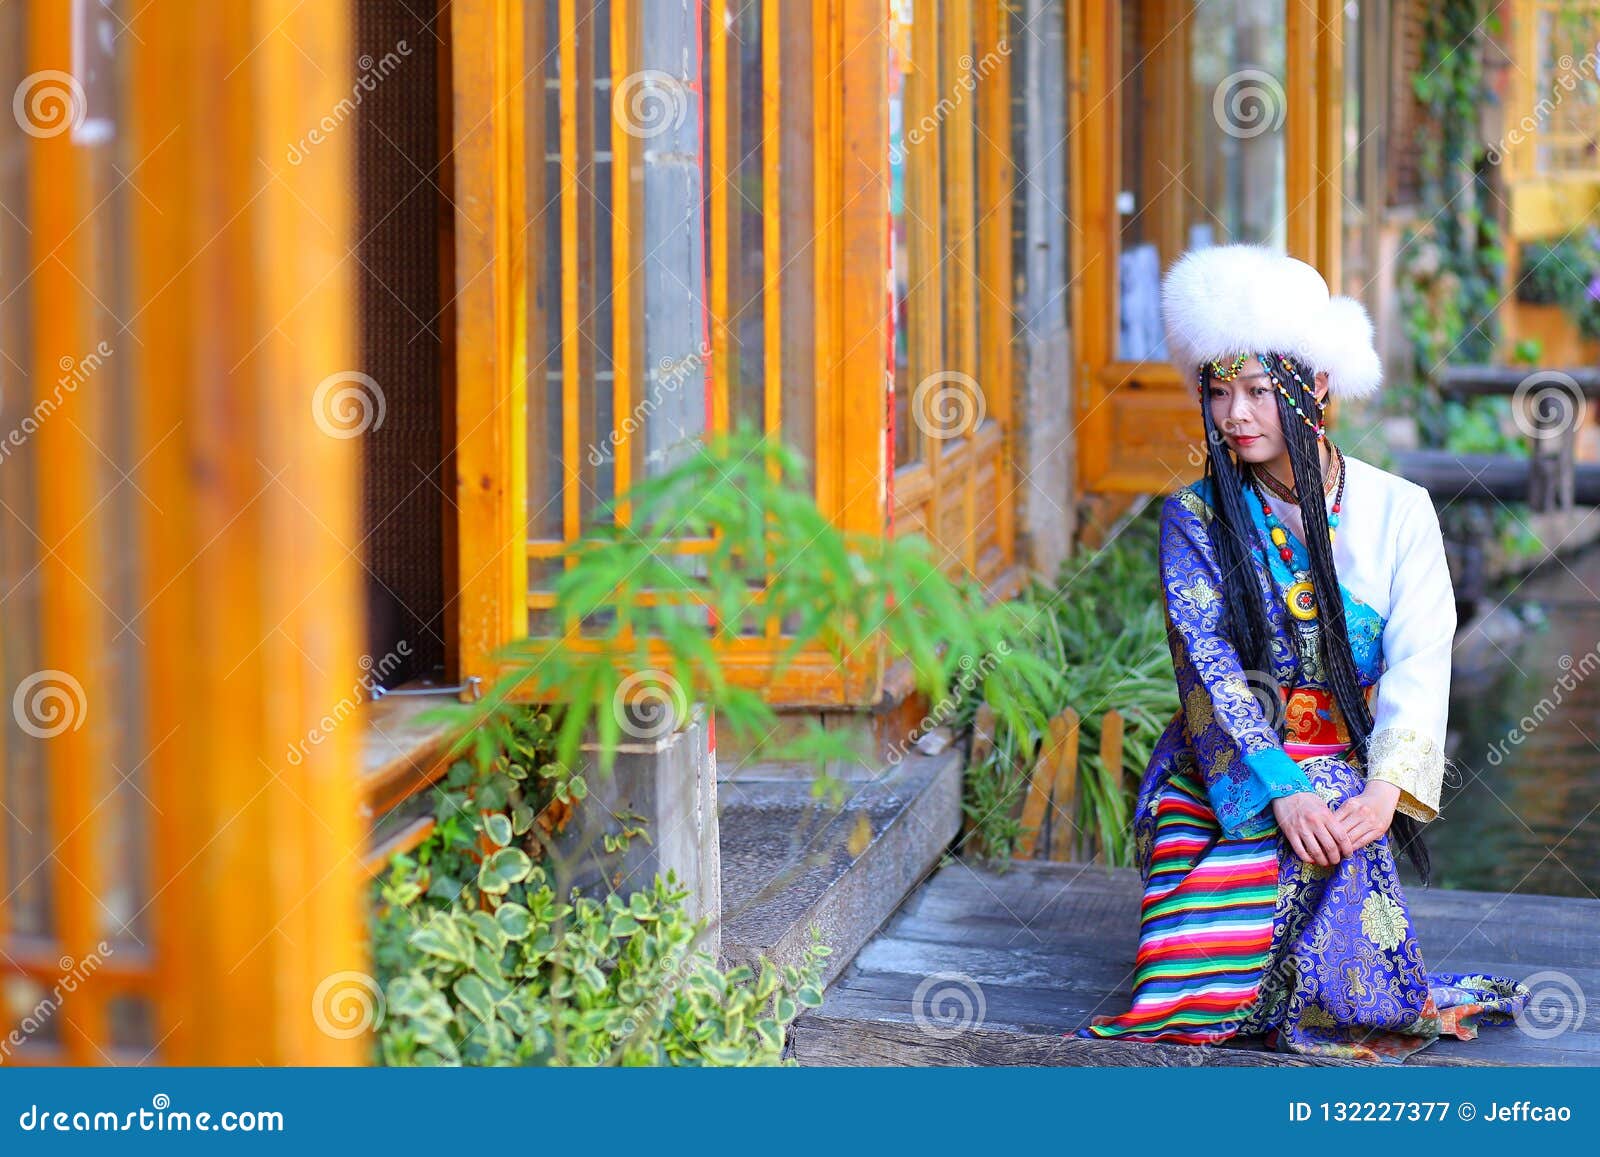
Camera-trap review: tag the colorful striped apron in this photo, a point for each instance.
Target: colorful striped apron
(1206, 920)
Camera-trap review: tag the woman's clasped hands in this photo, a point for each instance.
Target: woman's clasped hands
(1324, 836)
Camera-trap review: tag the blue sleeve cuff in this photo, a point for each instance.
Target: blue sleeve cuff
(1273, 773)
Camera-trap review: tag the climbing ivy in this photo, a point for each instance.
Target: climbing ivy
(1453, 264)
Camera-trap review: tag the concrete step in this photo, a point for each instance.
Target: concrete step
(790, 861)
(986, 968)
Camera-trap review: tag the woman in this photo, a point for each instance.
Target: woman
(1310, 617)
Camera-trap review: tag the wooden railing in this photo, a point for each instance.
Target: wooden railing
(1050, 804)
(1550, 478)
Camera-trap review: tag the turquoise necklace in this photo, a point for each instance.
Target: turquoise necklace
(1275, 528)
(1301, 595)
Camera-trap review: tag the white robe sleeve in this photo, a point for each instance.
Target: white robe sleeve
(1413, 698)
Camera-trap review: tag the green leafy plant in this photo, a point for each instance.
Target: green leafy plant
(1565, 273)
(1103, 626)
(483, 963)
(1528, 351)
(1550, 275)
(1483, 426)
(768, 552)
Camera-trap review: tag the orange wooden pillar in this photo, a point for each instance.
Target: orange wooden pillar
(72, 631)
(245, 305)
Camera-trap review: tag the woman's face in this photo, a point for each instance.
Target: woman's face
(1245, 411)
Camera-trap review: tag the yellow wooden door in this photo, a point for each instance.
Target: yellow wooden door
(1193, 122)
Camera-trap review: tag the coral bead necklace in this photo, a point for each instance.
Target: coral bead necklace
(1275, 528)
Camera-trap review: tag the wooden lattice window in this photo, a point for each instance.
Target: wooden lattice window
(665, 223)
(1552, 126)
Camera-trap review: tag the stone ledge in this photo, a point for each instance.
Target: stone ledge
(790, 861)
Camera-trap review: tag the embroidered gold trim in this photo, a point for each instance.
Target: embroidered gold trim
(1412, 762)
(1194, 503)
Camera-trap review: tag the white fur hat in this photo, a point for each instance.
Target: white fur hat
(1224, 300)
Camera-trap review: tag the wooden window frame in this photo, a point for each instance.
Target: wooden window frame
(491, 260)
(1115, 395)
(1521, 155)
(960, 491)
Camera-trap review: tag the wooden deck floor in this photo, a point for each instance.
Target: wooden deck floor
(1034, 952)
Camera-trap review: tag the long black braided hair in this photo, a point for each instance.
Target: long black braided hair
(1236, 541)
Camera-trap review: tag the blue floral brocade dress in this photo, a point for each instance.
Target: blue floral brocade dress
(1238, 936)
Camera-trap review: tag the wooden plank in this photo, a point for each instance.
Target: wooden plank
(772, 255)
(996, 176)
(893, 996)
(925, 292)
(1060, 745)
(1330, 142)
(773, 258)
(1064, 804)
(827, 255)
(241, 286)
(577, 251)
(960, 260)
(399, 755)
(401, 842)
(722, 113)
(73, 630)
(164, 285)
(627, 277)
(860, 337)
(491, 497)
(543, 311)
(1094, 908)
(1477, 381)
(1033, 952)
(857, 1037)
(1449, 477)
(1301, 100)
(1094, 50)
